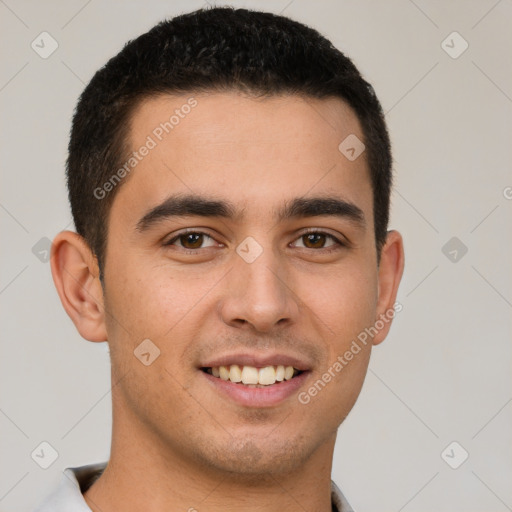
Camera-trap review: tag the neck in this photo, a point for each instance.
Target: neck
(144, 473)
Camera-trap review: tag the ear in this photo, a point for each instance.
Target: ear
(75, 273)
(391, 268)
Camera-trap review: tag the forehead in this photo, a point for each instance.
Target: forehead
(251, 151)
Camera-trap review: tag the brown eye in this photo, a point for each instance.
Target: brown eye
(192, 240)
(314, 240)
(317, 240)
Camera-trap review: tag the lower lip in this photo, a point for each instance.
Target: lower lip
(257, 397)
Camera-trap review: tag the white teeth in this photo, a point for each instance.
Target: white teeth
(252, 376)
(267, 375)
(235, 374)
(223, 373)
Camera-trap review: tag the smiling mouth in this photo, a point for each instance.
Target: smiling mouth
(251, 376)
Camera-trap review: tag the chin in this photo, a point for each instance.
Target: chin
(246, 459)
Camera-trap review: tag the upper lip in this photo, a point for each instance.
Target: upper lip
(257, 360)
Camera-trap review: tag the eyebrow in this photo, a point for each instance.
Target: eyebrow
(200, 206)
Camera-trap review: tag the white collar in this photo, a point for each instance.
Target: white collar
(67, 497)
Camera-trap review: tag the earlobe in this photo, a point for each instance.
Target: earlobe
(76, 276)
(391, 268)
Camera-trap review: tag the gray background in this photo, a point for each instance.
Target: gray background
(442, 375)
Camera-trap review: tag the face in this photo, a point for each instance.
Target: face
(243, 239)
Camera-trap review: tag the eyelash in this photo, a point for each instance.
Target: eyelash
(188, 232)
(338, 243)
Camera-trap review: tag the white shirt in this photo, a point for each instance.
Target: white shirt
(67, 497)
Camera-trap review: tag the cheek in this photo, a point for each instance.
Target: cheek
(343, 303)
(159, 302)
(340, 305)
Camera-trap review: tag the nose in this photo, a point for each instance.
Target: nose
(259, 295)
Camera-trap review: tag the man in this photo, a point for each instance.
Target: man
(229, 175)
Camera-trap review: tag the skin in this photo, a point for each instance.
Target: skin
(177, 443)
